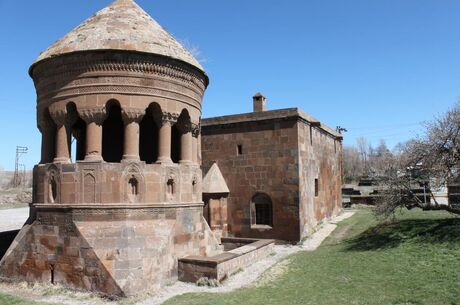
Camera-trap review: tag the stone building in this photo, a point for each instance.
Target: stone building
(120, 211)
(118, 218)
(283, 169)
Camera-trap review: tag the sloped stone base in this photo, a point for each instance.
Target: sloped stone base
(116, 251)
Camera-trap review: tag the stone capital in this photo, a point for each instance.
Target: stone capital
(61, 117)
(169, 117)
(196, 129)
(45, 125)
(131, 115)
(93, 115)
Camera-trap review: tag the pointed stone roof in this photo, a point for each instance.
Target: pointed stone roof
(214, 182)
(122, 25)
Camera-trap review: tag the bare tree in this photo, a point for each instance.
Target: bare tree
(432, 158)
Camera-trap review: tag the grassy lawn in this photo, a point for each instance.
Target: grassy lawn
(415, 260)
(10, 300)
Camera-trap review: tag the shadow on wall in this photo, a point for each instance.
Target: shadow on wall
(6, 239)
(391, 235)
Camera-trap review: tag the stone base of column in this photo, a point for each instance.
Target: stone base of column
(164, 160)
(186, 162)
(93, 158)
(61, 160)
(131, 158)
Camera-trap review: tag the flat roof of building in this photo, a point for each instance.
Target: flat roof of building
(270, 115)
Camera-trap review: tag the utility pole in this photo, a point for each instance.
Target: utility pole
(20, 150)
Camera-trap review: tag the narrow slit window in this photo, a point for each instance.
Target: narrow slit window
(316, 187)
(134, 186)
(171, 187)
(239, 149)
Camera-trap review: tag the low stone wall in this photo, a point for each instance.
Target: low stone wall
(219, 267)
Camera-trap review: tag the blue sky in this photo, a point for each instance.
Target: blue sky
(378, 68)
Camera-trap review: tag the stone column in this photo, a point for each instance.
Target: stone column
(164, 137)
(195, 135)
(94, 118)
(131, 119)
(199, 149)
(48, 132)
(62, 143)
(186, 145)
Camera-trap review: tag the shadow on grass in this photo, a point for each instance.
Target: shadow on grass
(392, 234)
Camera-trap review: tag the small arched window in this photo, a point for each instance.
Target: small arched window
(261, 210)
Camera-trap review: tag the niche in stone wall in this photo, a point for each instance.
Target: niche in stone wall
(171, 186)
(89, 188)
(133, 184)
(52, 186)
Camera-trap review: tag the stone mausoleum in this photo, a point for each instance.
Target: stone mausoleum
(120, 205)
(283, 169)
(118, 218)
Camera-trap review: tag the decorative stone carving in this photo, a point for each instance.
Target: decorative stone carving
(131, 115)
(62, 117)
(196, 129)
(93, 115)
(169, 117)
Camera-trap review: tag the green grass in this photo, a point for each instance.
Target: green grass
(413, 261)
(10, 300)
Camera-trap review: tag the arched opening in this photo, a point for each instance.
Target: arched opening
(113, 133)
(48, 130)
(148, 135)
(182, 125)
(261, 210)
(78, 150)
(175, 143)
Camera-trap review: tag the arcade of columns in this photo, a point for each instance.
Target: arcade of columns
(56, 137)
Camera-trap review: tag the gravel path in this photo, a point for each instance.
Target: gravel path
(242, 279)
(13, 219)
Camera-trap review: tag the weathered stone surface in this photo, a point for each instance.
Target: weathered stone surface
(279, 154)
(118, 218)
(123, 25)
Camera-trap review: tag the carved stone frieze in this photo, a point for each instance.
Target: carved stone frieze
(130, 115)
(93, 115)
(151, 65)
(196, 129)
(62, 117)
(169, 117)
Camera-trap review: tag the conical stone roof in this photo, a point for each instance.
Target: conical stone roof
(122, 25)
(214, 182)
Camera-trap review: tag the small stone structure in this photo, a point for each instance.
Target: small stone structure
(118, 216)
(215, 194)
(283, 168)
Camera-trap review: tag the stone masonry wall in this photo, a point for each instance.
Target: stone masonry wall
(320, 156)
(115, 251)
(268, 164)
